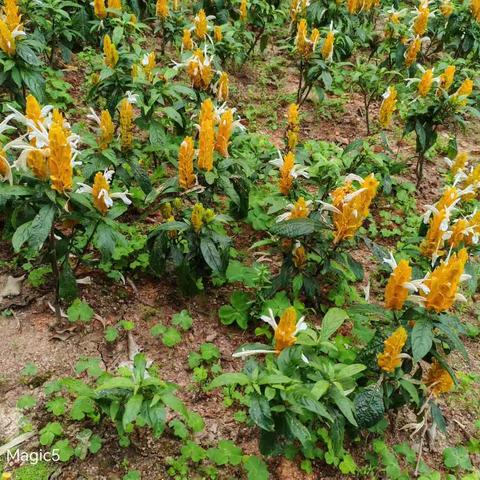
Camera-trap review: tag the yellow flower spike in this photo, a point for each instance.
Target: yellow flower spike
(175, 5)
(446, 8)
(217, 33)
(197, 217)
(353, 207)
(433, 242)
(447, 77)
(199, 71)
(473, 179)
(187, 42)
(225, 130)
(285, 332)
(161, 9)
(459, 163)
(208, 215)
(425, 83)
(60, 159)
(438, 380)
(327, 48)
(171, 233)
(458, 233)
(99, 9)
(7, 41)
(464, 91)
(134, 71)
(473, 224)
(201, 25)
(149, 65)
(390, 359)
(110, 52)
(395, 292)
(37, 162)
(299, 257)
(475, 7)
(292, 140)
(12, 15)
(448, 198)
(364, 199)
(300, 209)
(243, 10)
(286, 177)
(301, 42)
(293, 118)
(206, 139)
(293, 126)
(33, 110)
(388, 107)
(126, 120)
(107, 129)
(223, 87)
(100, 185)
(443, 282)
(133, 19)
(421, 22)
(5, 169)
(166, 209)
(114, 5)
(186, 177)
(412, 51)
(353, 6)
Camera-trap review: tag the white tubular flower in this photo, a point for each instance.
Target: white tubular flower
(132, 98)
(286, 215)
(390, 261)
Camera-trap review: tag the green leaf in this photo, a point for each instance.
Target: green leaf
(412, 391)
(116, 383)
(209, 352)
(26, 402)
(369, 407)
(344, 404)
(64, 450)
(331, 322)
(183, 320)
(211, 255)
(454, 457)
(298, 430)
(256, 468)
(81, 406)
(229, 379)
(237, 311)
(171, 337)
(227, 453)
(41, 226)
(260, 412)
(297, 227)
(57, 406)
(111, 334)
(132, 409)
(80, 311)
(21, 235)
(193, 451)
(49, 432)
(422, 338)
(179, 428)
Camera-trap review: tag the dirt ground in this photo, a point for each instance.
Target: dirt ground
(27, 337)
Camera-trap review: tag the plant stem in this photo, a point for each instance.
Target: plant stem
(79, 259)
(56, 274)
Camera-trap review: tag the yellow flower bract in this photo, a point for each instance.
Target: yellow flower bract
(390, 359)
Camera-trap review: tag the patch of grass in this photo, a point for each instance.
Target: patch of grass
(39, 471)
